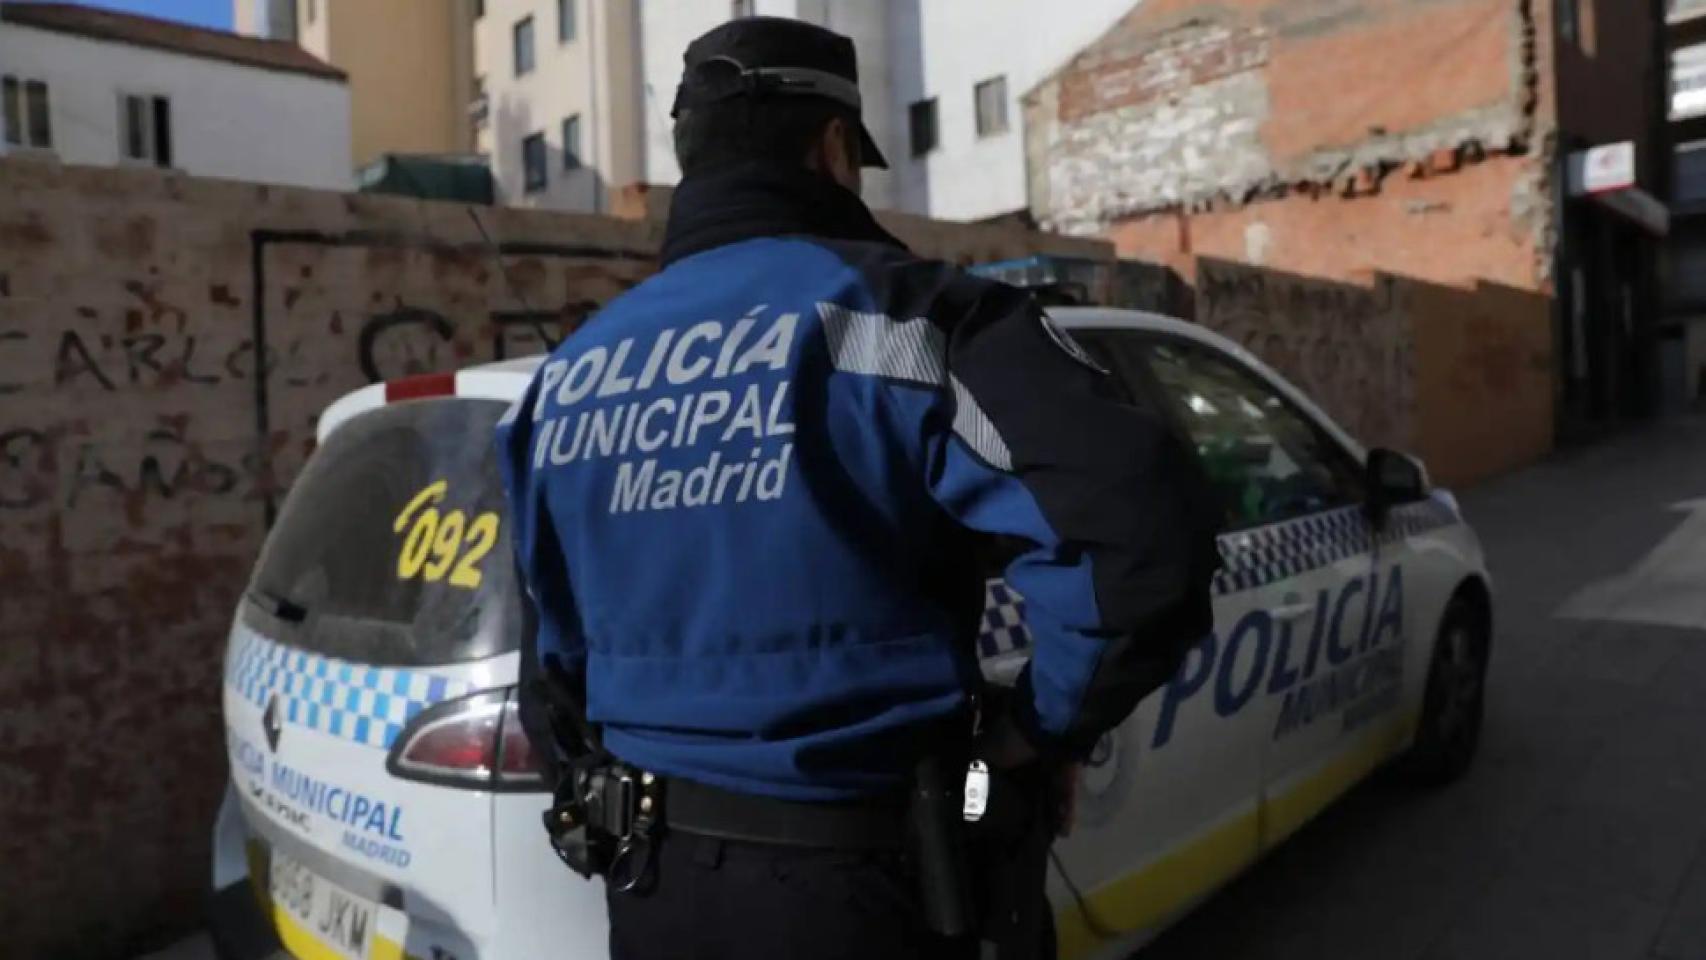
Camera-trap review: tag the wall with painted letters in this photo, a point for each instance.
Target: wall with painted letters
(166, 344)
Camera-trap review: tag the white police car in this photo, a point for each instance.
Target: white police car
(383, 802)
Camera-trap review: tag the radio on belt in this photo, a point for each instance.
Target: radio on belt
(977, 791)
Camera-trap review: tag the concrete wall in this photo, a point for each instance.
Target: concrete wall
(1485, 375)
(225, 116)
(1461, 376)
(1346, 345)
(272, 19)
(594, 76)
(410, 71)
(142, 434)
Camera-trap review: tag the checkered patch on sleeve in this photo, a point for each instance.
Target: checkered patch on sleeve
(362, 704)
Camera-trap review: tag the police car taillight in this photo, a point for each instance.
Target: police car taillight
(475, 742)
(417, 387)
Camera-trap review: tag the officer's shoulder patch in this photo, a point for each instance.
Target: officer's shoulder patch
(1068, 346)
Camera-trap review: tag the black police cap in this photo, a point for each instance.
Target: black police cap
(774, 56)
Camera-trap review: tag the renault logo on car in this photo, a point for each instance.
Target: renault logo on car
(271, 723)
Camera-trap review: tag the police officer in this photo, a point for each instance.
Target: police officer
(748, 500)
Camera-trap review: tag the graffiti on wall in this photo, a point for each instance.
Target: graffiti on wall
(315, 342)
(154, 405)
(1345, 345)
(421, 307)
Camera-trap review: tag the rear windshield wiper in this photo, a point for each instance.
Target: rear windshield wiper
(278, 605)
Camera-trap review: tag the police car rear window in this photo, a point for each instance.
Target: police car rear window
(392, 547)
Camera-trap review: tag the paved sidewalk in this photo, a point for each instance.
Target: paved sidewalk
(1581, 831)
(198, 947)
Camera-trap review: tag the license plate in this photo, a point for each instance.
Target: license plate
(340, 923)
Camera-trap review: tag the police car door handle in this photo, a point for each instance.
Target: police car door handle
(1292, 611)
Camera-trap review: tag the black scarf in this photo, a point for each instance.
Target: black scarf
(749, 200)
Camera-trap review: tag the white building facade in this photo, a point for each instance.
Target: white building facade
(106, 89)
(953, 53)
(925, 67)
(558, 113)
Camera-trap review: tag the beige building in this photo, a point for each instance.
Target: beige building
(562, 117)
(409, 62)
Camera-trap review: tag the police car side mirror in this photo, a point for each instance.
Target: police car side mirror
(1393, 478)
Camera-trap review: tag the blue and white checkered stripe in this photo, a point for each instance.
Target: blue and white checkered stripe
(1004, 629)
(1252, 559)
(1415, 519)
(367, 705)
(1256, 558)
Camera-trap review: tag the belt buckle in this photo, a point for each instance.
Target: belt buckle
(631, 866)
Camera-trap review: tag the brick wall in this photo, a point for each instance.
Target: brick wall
(1258, 130)
(166, 344)
(1441, 223)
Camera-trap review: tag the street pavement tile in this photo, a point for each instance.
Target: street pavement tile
(1683, 936)
(1603, 849)
(1528, 916)
(1625, 653)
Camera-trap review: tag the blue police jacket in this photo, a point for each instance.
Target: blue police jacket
(750, 495)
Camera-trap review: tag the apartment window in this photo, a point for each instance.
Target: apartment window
(572, 142)
(313, 10)
(991, 96)
(565, 20)
(740, 8)
(922, 120)
(27, 120)
(524, 46)
(145, 129)
(533, 162)
(1569, 19)
(479, 9)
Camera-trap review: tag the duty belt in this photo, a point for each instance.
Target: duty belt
(873, 824)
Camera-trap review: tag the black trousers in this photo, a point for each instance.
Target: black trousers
(712, 899)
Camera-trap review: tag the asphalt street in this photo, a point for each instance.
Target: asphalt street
(1581, 830)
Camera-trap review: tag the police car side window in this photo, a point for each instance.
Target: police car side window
(1267, 460)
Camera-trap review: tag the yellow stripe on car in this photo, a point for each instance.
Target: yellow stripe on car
(303, 945)
(297, 940)
(1171, 882)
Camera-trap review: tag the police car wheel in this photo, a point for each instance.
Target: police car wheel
(1452, 706)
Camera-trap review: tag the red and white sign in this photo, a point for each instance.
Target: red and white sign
(1608, 167)
(1606, 174)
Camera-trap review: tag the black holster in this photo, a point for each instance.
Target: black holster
(984, 878)
(937, 832)
(585, 846)
(1009, 855)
